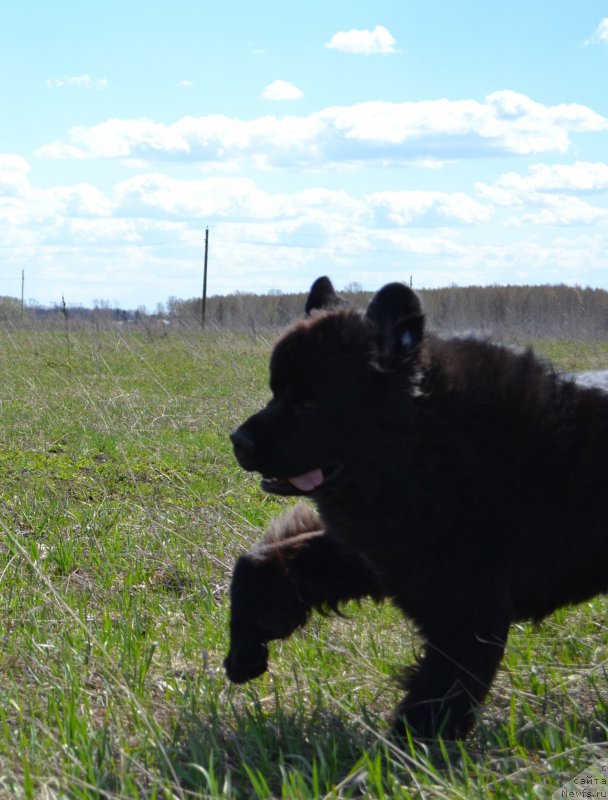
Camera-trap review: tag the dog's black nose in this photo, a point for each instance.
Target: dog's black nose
(242, 442)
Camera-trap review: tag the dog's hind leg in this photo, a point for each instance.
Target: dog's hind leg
(296, 569)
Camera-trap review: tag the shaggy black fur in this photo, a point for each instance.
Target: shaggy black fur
(461, 480)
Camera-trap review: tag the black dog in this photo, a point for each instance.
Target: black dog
(460, 480)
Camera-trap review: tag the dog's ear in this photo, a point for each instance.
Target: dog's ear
(397, 314)
(322, 296)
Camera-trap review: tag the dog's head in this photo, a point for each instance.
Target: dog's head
(332, 376)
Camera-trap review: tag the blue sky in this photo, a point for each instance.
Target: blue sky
(456, 142)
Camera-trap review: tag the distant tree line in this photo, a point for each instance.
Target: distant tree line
(566, 312)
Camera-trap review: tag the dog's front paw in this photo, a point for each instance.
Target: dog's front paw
(242, 664)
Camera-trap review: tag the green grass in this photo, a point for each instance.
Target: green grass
(574, 356)
(122, 511)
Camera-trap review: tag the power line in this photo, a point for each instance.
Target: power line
(78, 248)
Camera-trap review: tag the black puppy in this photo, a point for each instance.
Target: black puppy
(460, 480)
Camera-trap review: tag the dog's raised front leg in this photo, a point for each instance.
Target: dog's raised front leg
(275, 587)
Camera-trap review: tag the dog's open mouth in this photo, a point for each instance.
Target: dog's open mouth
(306, 483)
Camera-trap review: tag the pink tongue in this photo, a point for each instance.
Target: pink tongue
(308, 481)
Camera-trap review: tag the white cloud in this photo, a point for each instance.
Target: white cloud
(115, 138)
(564, 211)
(555, 194)
(383, 132)
(76, 240)
(158, 196)
(185, 84)
(428, 208)
(12, 185)
(13, 180)
(363, 42)
(581, 176)
(144, 205)
(13, 163)
(100, 231)
(30, 212)
(78, 82)
(81, 200)
(147, 232)
(600, 34)
(282, 90)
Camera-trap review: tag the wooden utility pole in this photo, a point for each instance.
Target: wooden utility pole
(204, 303)
(22, 285)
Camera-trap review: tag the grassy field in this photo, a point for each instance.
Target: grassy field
(122, 511)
